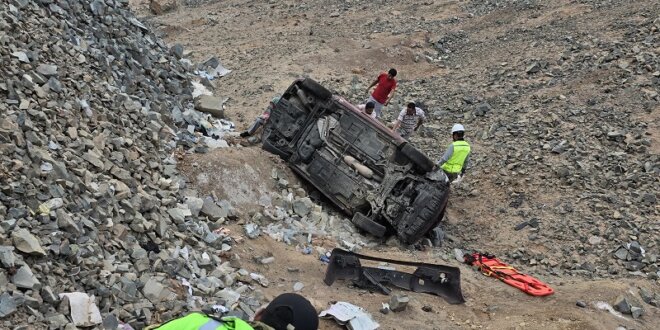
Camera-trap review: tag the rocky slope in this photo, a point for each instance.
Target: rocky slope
(93, 210)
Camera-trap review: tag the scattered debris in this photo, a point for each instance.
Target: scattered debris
(607, 307)
(399, 302)
(356, 318)
(440, 280)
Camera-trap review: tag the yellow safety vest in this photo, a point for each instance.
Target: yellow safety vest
(199, 321)
(455, 163)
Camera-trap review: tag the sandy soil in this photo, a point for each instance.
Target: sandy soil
(490, 303)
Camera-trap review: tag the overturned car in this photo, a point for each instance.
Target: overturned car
(368, 171)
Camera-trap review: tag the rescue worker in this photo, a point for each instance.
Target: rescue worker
(456, 158)
(286, 312)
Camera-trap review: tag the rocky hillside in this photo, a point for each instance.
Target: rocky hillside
(561, 105)
(96, 225)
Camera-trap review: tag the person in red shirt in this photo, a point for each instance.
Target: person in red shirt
(384, 91)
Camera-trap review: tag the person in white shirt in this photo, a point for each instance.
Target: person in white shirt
(368, 109)
(410, 119)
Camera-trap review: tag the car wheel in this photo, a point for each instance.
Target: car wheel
(422, 163)
(315, 88)
(425, 213)
(365, 223)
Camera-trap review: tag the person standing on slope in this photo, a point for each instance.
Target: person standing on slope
(456, 158)
(384, 91)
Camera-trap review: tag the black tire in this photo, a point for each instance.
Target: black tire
(365, 223)
(425, 213)
(316, 89)
(422, 163)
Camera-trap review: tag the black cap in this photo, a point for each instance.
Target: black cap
(293, 309)
(369, 105)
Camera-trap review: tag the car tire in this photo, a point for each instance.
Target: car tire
(421, 161)
(365, 223)
(316, 89)
(425, 213)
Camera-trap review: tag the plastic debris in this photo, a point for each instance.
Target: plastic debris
(607, 307)
(354, 317)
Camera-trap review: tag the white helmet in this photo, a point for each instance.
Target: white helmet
(457, 128)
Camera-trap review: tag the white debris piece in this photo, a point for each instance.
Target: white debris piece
(84, 311)
(199, 89)
(356, 318)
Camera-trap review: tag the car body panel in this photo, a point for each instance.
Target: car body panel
(355, 161)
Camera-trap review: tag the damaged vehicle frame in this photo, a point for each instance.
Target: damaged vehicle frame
(368, 171)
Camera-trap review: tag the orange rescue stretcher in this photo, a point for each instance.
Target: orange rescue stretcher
(491, 266)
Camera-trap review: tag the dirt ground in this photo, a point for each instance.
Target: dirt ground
(267, 44)
(490, 304)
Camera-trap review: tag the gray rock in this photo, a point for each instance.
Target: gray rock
(581, 304)
(65, 222)
(210, 104)
(57, 321)
(212, 210)
(47, 70)
(26, 242)
(302, 206)
(298, 286)
(49, 296)
(252, 230)
(8, 305)
(110, 322)
(155, 291)
(649, 199)
(533, 68)
(649, 297)
(634, 266)
(636, 312)
(399, 302)
(21, 56)
(54, 85)
(7, 257)
(177, 50)
(24, 278)
(94, 159)
(194, 205)
(621, 253)
(179, 214)
(623, 305)
(482, 109)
